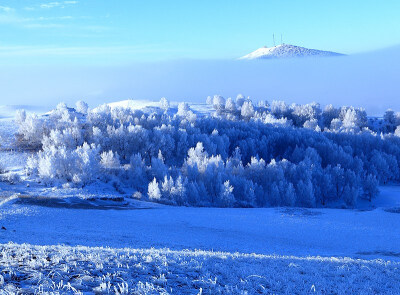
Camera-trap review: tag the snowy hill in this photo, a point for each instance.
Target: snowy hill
(200, 109)
(134, 104)
(287, 51)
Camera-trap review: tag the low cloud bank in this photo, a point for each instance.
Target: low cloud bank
(369, 80)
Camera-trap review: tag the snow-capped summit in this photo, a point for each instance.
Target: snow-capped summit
(287, 51)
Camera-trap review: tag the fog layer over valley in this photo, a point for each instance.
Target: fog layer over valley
(369, 80)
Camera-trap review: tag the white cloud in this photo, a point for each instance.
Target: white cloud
(40, 26)
(51, 5)
(52, 18)
(54, 4)
(6, 9)
(51, 22)
(77, 51)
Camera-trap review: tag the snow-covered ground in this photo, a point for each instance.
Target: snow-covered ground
(154, 249)
(66, 270)
(283, 231)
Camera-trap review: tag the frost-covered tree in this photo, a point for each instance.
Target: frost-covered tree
(158, 167)
(336, 124)
(164, 104)
(353, 118)
(183, 109)
(263, 104)
(178, 191)
(219, 103)
(226, 197)
(82, 107)
(279, 109)
(397, 131)
(370, 187)
(305, 193)
(311, 124)
(137, 172)
(230, 105)
(20, 116)
(240, 99)
(87, 164)
(154, 192)
(166, 187)
(198, 157)
(307, 112)
(185, 112)
(110, 160)
(330, 113)
(390, 120)
(31, 130)
(247, 110)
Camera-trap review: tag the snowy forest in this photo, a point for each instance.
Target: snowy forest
(242, 154)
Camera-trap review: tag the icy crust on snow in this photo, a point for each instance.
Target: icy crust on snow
(286, 51)
(66, 270)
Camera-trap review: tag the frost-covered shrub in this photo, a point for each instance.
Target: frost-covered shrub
(10, 177)
(137, 195)
(59, 165)
(20, 116)
(31, 129)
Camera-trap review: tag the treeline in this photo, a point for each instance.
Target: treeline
(242, 155)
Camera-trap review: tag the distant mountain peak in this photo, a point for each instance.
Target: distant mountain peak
(287, 51)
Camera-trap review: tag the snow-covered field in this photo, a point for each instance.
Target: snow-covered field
(61, 269)
(283, 231)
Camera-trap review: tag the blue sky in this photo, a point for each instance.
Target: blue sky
(104, 32)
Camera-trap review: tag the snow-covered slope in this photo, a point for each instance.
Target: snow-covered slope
(286, 51)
